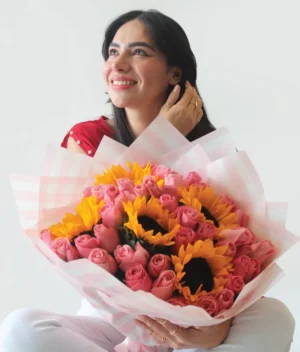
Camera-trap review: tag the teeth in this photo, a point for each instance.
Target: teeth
(123, 83)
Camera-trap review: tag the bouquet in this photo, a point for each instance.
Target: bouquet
(169, 229)
(160, 232)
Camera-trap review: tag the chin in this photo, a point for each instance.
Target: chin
(119, 105)
(122, 103)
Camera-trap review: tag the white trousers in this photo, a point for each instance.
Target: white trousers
(266, 326)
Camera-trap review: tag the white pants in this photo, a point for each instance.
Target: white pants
(266, 326)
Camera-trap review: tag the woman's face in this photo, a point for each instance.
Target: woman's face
(136, 73)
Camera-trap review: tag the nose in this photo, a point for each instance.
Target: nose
(121, 63)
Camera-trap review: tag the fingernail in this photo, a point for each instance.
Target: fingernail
(176, 88)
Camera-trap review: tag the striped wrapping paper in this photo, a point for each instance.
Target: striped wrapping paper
(43, 200)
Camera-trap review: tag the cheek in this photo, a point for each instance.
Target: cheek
(106, 71)
(153, 70)
(157, 77)
(157, 74)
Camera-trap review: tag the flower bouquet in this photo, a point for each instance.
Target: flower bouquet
(165, 228)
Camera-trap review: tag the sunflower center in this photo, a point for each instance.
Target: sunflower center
(209, 216)
(150, 224)
(198, 272)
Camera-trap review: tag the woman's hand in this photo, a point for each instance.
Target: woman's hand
(171, 335)
(187, 112)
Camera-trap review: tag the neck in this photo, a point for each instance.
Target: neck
(140, 118)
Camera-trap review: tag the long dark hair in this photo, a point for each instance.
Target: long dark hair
(171, 40)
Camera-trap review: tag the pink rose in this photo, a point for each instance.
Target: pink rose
(205, 231)
(187, 216)
(184, 236)
(235, 283)
(111, 192)
(151, 186)
(209, 304)
(231, 250)
(193, 178)
(262, 251)
(158, 263)
(242, 218)
(101, 258)
(85, 243)
(124, 197)
(111, 215)
(108, 239)
(87, 192)
(119, 200)
(178, 301)
(242, 266)
(239, 237)
(225, 299)
(164, 286)
(152, 167)
(63, 248)
(243, 250)
(140, 190)
(126, 256)
(173, 180)
(254, 270)
(160, 171)
(168, 202)
(98, 192)
(128, 195)
(47, 237)
(257, 267)
(125, 184)
(137, 278)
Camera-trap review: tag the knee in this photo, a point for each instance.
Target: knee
(279, 313)
(274, 316)
(18, 331)
(18, 320)
(267, 325)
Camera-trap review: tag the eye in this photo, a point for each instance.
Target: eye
(112, 52)
(140, 52)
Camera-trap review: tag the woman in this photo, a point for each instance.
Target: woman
(149, 70)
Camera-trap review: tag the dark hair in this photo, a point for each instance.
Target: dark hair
(171, 40)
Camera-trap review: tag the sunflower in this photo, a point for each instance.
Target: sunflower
(150, 221)
(136, 173)
(203, 267)
(203, 199)
(87, 215)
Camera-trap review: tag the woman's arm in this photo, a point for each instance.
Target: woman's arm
(215, 335)
(73, 146)
(173, 336)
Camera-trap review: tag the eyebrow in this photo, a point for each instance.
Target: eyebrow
(133, 45)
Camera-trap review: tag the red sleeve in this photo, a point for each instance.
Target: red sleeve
(88, 134)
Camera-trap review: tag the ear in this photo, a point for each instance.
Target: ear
(175, 75)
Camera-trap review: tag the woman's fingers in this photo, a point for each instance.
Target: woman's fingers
(185, 113)
(187, 96)
(161, 336)
(194, 109)
(163, 332)
(173, 97)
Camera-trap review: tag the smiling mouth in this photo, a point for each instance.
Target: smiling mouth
(123, 83)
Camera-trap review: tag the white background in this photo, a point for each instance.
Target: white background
(50, 79)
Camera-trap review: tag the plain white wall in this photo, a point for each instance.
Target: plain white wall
(50, 78)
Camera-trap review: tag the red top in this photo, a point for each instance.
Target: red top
(88, 134)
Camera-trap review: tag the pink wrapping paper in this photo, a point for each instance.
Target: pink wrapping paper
(43, 200)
